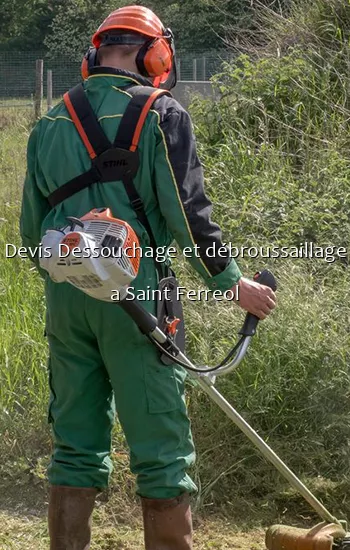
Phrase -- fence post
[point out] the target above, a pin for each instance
(195, 70)
(49, 89)
(179, 69)
(204, 68)
(39, 87)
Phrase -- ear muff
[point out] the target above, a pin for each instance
(89, 61)
(168, 80)
(155, 57)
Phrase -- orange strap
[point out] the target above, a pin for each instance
(142, 118)
(79, 126)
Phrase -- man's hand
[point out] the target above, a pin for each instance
(255, 298)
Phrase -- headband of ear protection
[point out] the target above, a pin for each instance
(155, 59)
(89, 61)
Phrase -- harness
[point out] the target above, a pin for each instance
(120, 161)
(117, 161)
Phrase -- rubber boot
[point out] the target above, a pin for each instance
(167, 523)
(70, 512)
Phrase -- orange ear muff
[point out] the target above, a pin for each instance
(84, 68)
(155, 57)
(89, 61)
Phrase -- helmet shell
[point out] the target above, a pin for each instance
(133, 18)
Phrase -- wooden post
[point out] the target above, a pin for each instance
(179, 69)
(195, 70)
(49, 89)
(204, 68)
(39, 87)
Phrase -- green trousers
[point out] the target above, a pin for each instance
(100, 364)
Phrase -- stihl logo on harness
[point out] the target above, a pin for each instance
(114, 163)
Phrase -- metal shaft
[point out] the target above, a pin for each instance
(265, 449)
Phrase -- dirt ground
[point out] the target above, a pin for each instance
(115, 527)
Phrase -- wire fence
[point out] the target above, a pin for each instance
(18, 74)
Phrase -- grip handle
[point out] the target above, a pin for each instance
(146, 322)
(251, 321)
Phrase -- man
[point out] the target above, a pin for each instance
(99, 361)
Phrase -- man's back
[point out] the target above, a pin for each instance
(61, 156)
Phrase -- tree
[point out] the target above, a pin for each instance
(66, 26)
(200, 26)
(197, 25)
(23, 26)
(74, 24)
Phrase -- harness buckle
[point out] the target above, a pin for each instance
(137, 204)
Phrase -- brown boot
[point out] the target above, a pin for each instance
(167, 523)
(70, 511)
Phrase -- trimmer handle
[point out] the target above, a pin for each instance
(146, 322)
(251, 321)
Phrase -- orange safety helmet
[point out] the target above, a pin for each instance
(156, 57)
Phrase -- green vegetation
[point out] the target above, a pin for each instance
(275, 145)
(67, 25)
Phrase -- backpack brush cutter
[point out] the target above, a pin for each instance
(93, 253)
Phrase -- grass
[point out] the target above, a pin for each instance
(116, 524)
(275, 149)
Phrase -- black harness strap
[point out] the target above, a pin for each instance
(138, 208)
(73, 186)
(127, 126)
(98, 140)
(124, 138)
(88, 119)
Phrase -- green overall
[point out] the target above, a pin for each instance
(100, 364)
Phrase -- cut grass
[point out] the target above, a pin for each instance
(30, 533)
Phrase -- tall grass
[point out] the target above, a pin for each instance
(275, 144)
(275, 148)
(23, 380)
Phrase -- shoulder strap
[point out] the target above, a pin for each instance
(129, 131)
(85, 121)
(128, 137)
